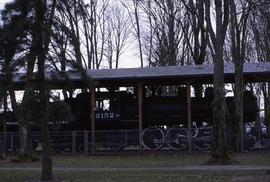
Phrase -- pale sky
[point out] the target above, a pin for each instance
(129, 59)
(2, 3)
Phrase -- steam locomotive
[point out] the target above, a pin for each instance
(164, 117)
(119, 110)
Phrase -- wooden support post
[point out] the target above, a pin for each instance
(189, 117)
(140, 102)
(85, 139)
(11, 142)
(93, 106)
(5, 126)
(74, 142)
(241, 136)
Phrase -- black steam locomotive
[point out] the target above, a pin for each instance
(164, 117)
(119, 110)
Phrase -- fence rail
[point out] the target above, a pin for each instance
(176, 138)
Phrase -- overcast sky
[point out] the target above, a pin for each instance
(2, 3)
(129, 59)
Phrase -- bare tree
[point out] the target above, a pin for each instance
(44, 19)
(165, 31)
(238, 34)
(260, 26)
(71, 9)
(118, 31)
(134, 14)
(199, 36)
(220, 152)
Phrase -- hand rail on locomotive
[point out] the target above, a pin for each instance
(176, 138)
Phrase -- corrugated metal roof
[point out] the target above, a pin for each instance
(253, 72)
(171, 71)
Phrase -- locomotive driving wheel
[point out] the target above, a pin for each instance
(177, 138)
(202, 141)
(152, 138)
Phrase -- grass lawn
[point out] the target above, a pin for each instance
(141, 160)
(162, 176)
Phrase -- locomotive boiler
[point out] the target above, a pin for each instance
(119, 110)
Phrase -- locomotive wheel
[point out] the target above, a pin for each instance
(152, 138)
(177, 138)
(202, 141)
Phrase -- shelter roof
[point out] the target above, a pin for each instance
(253, 72)
(190, 73)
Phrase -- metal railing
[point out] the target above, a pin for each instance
(176, 138)
(75, 141)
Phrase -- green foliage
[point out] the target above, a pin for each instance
(30, 111)
(59, 111)
(14, 40)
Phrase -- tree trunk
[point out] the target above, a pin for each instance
(46, 158)
(238, 101)
(138, 30)
(220, 133)
(238, 50)
(220, 151)
(26, 152)
(42, 45)
(198, 51)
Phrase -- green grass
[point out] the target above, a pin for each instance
(141, 160)
(145, 160)
(254, 158)
(162, 176)
(153, 160)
